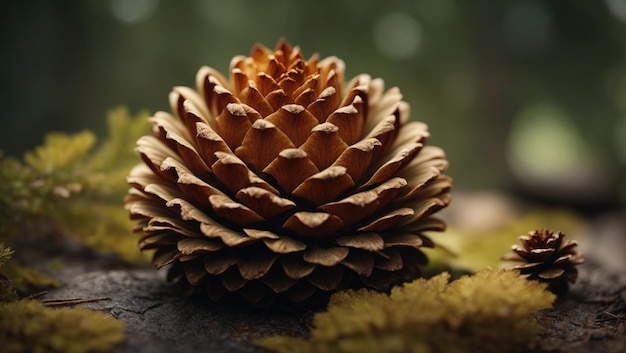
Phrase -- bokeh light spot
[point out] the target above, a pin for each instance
(397, 35)
(617, 8)
(545, 144)
(133, 11)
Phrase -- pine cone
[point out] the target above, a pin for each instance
(543, 256)
(282, 182)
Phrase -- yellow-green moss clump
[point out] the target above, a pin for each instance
(27, 326)
(26, 279)
(487, 312)
(17, 280)
(76, 186)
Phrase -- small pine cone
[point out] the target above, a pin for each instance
(283, 182)
(543, 256)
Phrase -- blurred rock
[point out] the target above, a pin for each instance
(606, 241)
(480, 211)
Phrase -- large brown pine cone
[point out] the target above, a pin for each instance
(283, 182)
(544, 256)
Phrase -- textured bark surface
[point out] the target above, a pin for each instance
(590, 318)
(158, 319)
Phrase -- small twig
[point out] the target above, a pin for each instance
(37, 295)
(574, 323)
(617, 317)
(71, 301)
(610, 317)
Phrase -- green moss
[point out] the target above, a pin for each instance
(60, 153)
(96, 216)
(103, 226)
(76, 185)
(15, 199)
(487, 312)
(15, 278)
(26, 279)
(30, 327)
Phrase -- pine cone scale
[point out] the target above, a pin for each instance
(194, 246)
(551, 273)
(371, 242)
(327, 278)
(313, 225)
(284, 245)
(359, 261)
(277, 281)
(258, 266)
(388, 220)
(328, 257)
(218, 263)
(295, 267)
(290, 169)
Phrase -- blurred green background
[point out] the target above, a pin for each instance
(525, 96)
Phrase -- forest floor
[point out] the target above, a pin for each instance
(590, 318)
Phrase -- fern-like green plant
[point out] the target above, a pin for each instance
(490, 311)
